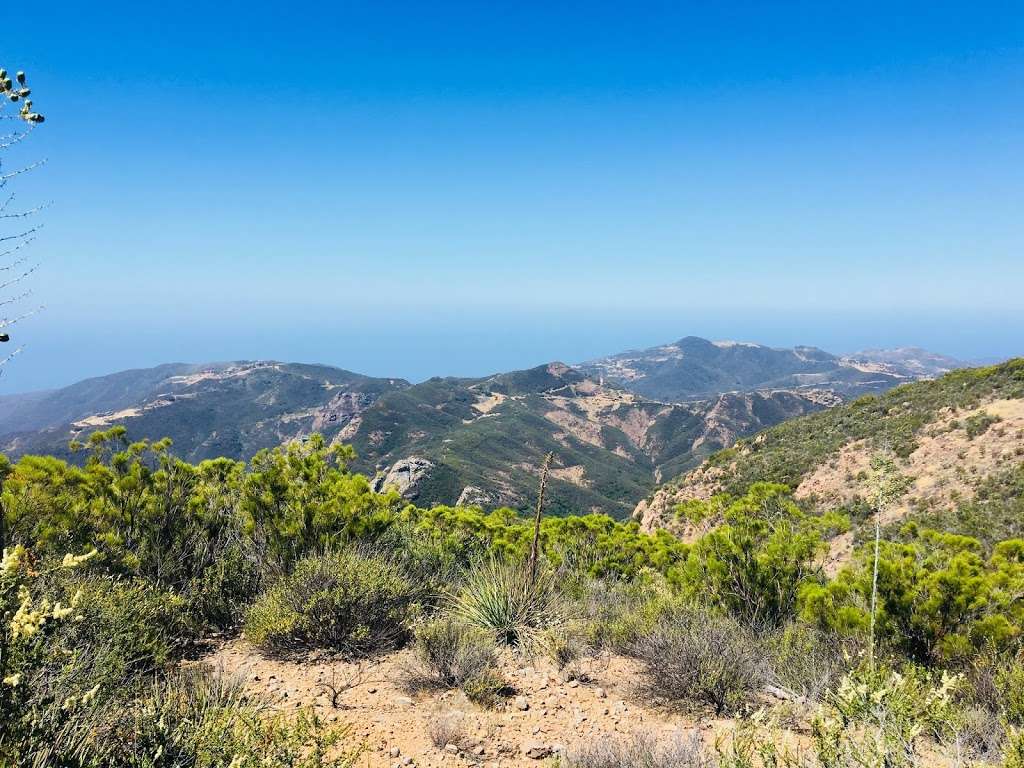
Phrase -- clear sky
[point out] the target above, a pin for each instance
(415, 189)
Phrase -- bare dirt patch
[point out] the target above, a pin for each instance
(396, 726)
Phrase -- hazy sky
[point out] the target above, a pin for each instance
(414, 189)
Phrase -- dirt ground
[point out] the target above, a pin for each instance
(545, 715)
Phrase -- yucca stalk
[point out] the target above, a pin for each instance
(886, 489)
(536, 519)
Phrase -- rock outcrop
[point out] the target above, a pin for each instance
(405, 476)
(472, 496)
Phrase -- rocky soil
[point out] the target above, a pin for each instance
(545, 715)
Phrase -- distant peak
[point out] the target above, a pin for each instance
(726, 344)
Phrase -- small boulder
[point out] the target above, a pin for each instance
(535, 750)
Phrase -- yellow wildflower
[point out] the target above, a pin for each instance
(12, 559)
(26, 621)
(13, 680)
(89, 695)
(72, 561)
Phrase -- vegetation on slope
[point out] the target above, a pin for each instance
(609, 446)
(788, 452)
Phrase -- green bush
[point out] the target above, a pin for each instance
(1013, 754)
(1009, 683)
(939, 598)
(612, 615)
(353, 602)
(764, 549)
(806, 660)
(487, 689)
(502, 598)
(449, 654)
(221, 593)
(42, 714)
(881, 717)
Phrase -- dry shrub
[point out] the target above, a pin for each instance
(449, 654)
(641, 750)
(695, 659)
(447, 728)
(980, 734)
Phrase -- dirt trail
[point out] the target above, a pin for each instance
(546, 713)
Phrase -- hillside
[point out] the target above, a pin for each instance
(474, 440)
(958, 441)
(478, 441)
(693, 368)
(482, 440)
(223, 409)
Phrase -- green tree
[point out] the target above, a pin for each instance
(764, 549)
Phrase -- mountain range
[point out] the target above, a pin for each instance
(616, 426)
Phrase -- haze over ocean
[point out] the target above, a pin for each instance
(413, 190)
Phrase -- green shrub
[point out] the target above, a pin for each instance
(129, 627)
(884, 718)
(764, 549)
(1013, 753)
(806, 660)
(978, 424)
(695, 659)
(449, 654)
(939, 599)
(199, 719)
(353, 602)
(224, 589)
(500, 597)
(1009, 682)
(40, 721)
(486, 689)
(612, 615)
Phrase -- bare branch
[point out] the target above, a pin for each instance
(15, 138)
(19, 278)
(15, 299)
(7, 323)
(24, 169)
(23, 244)
(13, 354)
(26, 233)
(22, 214)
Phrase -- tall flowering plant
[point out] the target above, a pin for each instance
(27, 625)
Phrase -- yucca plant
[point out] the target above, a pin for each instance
(503, 597)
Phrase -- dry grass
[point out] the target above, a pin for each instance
(448, 728)
(641, 750)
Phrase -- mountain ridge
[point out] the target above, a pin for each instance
(443, 439)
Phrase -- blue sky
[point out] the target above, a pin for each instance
(415, 189)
